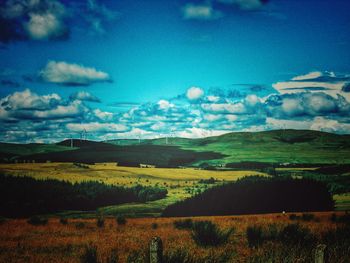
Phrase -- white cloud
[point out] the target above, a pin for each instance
(198, 133)
(200, 12)
(44, 26)
(158, 126)
(103, 115)
(194, 93)
(27, 100)
(71, 74)
(84, 96)
(212, 98)
(97, 127)
(212, 117)
(164, 105)
(327, 125)
(311, 75)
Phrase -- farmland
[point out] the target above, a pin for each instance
(180, 183)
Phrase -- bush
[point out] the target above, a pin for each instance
(206, 233)
(100, 222)
(254, 236)
(307, 217)
(257, 235)
(2, 220)
(294, 234)
(183, 224)
(136, 257)
(113, 257)
(177, 256)
(121, 220)
(63, 221)
(154, 225)
(79, 225)
(89, 255)
(37, 220)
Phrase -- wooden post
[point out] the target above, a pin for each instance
(156, 250)
(319, 254)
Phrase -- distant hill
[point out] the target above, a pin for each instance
(278, 146)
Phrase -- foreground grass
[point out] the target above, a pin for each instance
(56, 242)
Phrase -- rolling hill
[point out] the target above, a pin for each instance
(278, 146)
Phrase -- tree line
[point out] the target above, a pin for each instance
(254, 195)
(25, 196)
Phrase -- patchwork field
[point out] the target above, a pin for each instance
(180, 183)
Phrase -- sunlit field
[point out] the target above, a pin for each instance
(180, 183)
(55, 242)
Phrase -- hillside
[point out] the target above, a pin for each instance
(279, 146)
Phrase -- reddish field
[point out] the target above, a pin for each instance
(55, 242)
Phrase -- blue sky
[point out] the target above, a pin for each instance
(130, 69)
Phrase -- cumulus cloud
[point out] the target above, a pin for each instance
(200, 12)
(327, 82)
(164, 105)
(71, 74)
(84, 96)
(96, 127)
(29, 19)
(194, 93)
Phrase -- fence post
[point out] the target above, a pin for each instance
(156, 250)
(319, 254)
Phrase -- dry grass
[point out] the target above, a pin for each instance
(54, 242)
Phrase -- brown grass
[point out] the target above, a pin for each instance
(54, 242)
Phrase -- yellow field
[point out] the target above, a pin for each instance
(177, 181)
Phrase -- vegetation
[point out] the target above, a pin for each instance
(89, 255)
(121, 220)
(37, 220)
(23, 196)
(206, 233)
(131, 241)
(183, 224)
(253, 195)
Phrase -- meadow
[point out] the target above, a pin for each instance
(66, 241)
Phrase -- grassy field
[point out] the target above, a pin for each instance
(55, 242)
(180, 183)
(278, 146)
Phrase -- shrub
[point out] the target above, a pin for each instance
(206, 233)
(121, 220)
(257, 235)
(308, 217)
(113, 257)
(100, 221)
(37, 220)
(2, 220)
(293, 217)
(177, 256)
(183, 224)
(89, 255)
(63, 221)
(294, 234)
(79, 225)
(136, 257)
(154, 225)
(254, 236)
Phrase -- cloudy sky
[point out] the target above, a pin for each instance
(155, 68)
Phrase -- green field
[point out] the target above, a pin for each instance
(279, 146)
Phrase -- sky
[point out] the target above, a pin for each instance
(156, 68)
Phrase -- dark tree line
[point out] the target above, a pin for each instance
(254, 195)
(24, 196)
